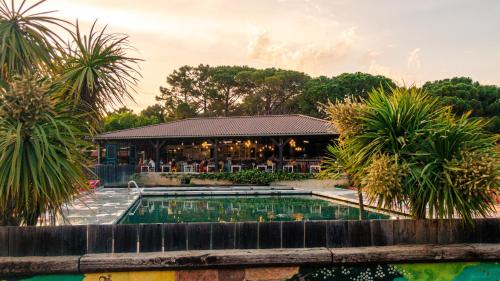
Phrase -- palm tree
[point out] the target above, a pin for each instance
(41, 166)
(45, 92)
(411, 153)
(97, 73)
(27, 43)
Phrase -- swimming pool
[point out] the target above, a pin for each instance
(161, 209)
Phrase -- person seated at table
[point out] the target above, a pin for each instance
(139, 164)
(222, 167)
(202, 168)
(173, 166)
(152, 164)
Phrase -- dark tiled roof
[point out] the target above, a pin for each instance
(269, 125)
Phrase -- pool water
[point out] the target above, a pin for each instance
(238, 209)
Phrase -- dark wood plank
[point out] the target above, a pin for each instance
(125, 238)
(293, 234)
(358, 233)
(404, 232)
(223, 236)
(315, 234)
(150, 238)
(336, 234)
(199, 236)
(4, 241)
(247, 235)
(175, 236)
(75, 240)
(22, 241)
(489, 230)
(269, 235)
(444, 231)
(382, 233)
(426, 232)
(99, 238)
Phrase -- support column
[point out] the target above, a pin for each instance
(98, 153)
(281, 144)
(216, 154)
(280, 154)
(157, 154)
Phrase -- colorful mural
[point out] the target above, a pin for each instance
(470, 271)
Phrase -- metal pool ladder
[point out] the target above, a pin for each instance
(136, 187)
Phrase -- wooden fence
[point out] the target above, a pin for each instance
(114, 175)
(87, 239)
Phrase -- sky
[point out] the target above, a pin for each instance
(409, 41)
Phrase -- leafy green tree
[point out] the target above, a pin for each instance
(270, 89)
(463, 95)
(124, 118)
(154, 111)
(192, 86)
(319, 90)
(230, 91)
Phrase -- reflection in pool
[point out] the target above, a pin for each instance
(239, 208)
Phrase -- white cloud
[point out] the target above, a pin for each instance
(414, 59)
(305, 57)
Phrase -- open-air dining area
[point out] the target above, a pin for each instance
(278, 143)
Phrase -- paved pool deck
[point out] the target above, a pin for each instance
(102, 206)
(107, 205)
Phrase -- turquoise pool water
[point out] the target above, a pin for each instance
(239, 208)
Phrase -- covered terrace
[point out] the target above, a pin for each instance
(292, 143)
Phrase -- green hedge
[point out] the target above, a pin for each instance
(257, 177)
(253, 177)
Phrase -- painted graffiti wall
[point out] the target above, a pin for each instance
(480, 271)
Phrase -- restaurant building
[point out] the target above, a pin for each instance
(293, 142)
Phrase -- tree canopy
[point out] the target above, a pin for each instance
(463, 95)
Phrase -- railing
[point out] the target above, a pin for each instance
(135, 185)
(88, 239)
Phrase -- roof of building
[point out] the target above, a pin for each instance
(241, 126)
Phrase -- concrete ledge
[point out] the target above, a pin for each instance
(12, 266)
(196, 259)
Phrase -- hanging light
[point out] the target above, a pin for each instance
(292, 143)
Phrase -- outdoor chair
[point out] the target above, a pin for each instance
(235, 167)
(146, 168)
(288, 168)
(211, 168)
(166, 168)
(262, 168)
(314, 169)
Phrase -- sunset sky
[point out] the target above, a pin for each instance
(408, 41)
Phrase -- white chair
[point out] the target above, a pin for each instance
(261, 167)
(166, 168)
(314, 169)
(144, 167)
(235, 167)
(188, 168)
(211, 168)
(270, 168)
(288, 168)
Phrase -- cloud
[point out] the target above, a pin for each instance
(414, 59)
(305, 57)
